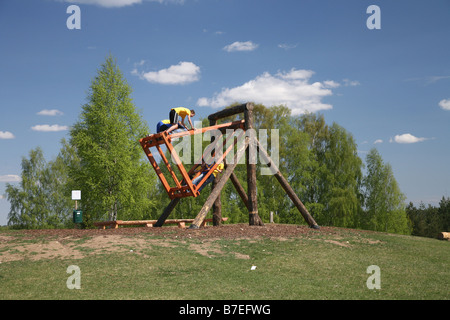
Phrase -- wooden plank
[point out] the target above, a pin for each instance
(149, 223)
(134, 222)
(212, 220)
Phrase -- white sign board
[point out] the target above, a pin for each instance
(76, 194)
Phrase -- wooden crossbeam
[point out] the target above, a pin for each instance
(231, 111)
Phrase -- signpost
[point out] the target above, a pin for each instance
(77, 214)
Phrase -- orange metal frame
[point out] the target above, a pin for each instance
(185, 187)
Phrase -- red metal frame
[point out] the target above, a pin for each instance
(185, 188)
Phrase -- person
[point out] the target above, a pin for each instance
(177, 113)
(164, 125)
(205, 169)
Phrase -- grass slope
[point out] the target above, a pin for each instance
(317, 265)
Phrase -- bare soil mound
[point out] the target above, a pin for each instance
(229, 231)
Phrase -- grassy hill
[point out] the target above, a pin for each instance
(289, 263)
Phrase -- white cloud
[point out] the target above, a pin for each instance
(49, 128)
(331, 84)
(430, 80)
(10, 178)
(286, 46)
(291, 89)
(52, 112)
(350, 83)
(182, 73)
(445, 104)
(241, 46)
(433, 79)
(378, 141)
(6, 135)
(407, 138)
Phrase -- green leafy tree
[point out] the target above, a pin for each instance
(343, 177)
(444, 213)
(332, 176)
(428, 220)
(39, 201)
(110, 170)
(384, 202)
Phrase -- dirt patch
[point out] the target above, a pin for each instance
(206, 249)
(341, 244)
(77, 244)
(210, 248)
(38, 251)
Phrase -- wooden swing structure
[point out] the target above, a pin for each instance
(185, 188)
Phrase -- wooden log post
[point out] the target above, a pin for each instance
(218, 188)
(166, 212)
(444, 236)
(287, 188)
(217, 205)
(254, 219)
(240, 190)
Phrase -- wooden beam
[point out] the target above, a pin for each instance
(218, 188)
(287, 188)
(180, 166)
(230, 111)
(240, 190)
(169, 167)
(156, 167)
(253, 217)
(221, 127)
(166, 212)
(217, 205)
(444, 235)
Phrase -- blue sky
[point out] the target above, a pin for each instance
(389, 87)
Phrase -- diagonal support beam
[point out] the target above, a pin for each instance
(218, 188)
(285, 184)
(166, 212)
(240, 190)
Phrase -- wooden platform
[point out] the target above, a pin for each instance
(147, 223)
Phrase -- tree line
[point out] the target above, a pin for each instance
(103, 158)
(428, 220)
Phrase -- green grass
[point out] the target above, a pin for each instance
(296, 268)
